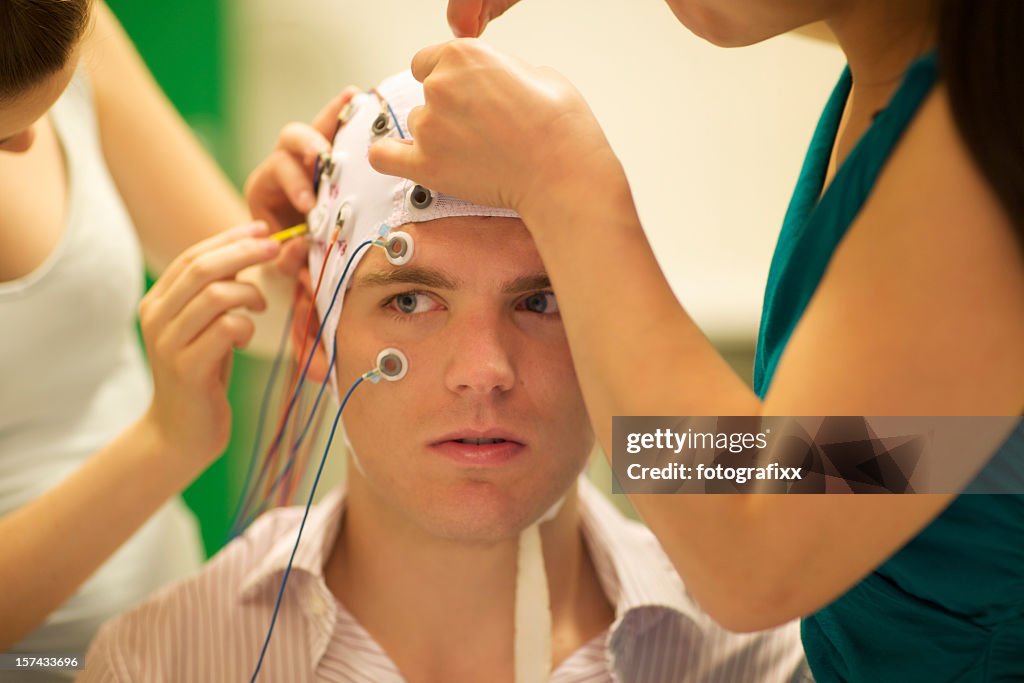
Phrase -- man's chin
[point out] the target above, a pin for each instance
(481, 515)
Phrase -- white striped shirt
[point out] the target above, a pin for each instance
(211, 626)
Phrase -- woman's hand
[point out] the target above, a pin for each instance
(495, 130)
(468, 18)
(280, 189)
(190, 329)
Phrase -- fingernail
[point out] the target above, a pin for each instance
(258, 228)
(306, 201)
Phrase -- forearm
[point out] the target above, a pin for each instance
(175, 192)
(635, 349)
(53, 544)
(637, 352)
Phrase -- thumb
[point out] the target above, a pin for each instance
(469, 18)
(393, 157)
(293, 256)
(465, 18)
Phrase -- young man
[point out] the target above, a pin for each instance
(410, 573)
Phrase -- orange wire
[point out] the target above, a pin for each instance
(274, 451)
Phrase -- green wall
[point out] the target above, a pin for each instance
(183, 43)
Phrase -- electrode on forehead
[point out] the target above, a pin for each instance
(420, 197)
(392, 364)
(399, 248)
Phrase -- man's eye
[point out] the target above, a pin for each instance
(410, 302)
(540, 302)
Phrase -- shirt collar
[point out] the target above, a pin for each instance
(318, 536)
(636, 575)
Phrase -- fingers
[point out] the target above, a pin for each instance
(207, 356)
(469, 18)
(302, 143)
(426, 60)
(464, 18)
(186, 257)
(295, 179)
(412, 121)
(293, 256)
(192, 272)
(280, 189)
(395, 157)
(216, 299)
(326, 121)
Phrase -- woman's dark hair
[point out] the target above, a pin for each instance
(36, 39)
(981, 55)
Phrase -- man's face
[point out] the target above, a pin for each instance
(488, 359)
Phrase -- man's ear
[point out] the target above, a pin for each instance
(305, 324)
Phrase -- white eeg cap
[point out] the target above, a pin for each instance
(359, 200)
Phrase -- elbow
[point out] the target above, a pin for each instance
(748, 602)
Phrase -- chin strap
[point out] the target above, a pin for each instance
(533, 606)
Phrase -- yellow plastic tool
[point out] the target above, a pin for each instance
(288, 233)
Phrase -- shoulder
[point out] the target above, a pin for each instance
(108, 57)
(920, 309)
(934, 151)
(935, 188)
(190, 615)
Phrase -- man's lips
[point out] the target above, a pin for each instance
(479, 448)
(476, 436)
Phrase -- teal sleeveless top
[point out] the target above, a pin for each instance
(949, 605)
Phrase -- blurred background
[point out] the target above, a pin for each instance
(711, 139)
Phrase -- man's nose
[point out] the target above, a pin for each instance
(480, 358)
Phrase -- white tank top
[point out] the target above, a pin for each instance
(72, 376)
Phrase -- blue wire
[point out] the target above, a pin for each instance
(309, 502)
(260, 423)
(295, 448)
(398, 127)
(309, 359)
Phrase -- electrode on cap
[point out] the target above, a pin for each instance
(344, 216)
(327, 166)
(392, 364)
(381, 124)
(399, 248)
(346, 113)
(318, 170)
(420, 197)
(318, 220)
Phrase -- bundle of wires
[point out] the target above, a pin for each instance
(356, 208)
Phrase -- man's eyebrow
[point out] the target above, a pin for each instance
(527, 283)
(409, 275)
(435, 279)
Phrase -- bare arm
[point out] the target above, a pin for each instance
(174, 191)
(53, 544)
(890, 331)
